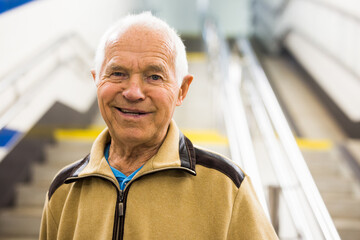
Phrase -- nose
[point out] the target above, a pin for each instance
(133, 91)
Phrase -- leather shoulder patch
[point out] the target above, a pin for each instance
(65, 173)
(223, 165)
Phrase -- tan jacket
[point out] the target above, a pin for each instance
(181, 193)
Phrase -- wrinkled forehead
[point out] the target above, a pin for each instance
(140, 39)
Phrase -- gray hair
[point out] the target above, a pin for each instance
(147, 20)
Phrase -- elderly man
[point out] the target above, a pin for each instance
(143, 179)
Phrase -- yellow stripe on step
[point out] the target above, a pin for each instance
(196, 136)
(212, 137)
(314, 144)
(77, 134)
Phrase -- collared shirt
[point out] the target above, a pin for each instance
(122, 178)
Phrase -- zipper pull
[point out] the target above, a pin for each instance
(121, 209)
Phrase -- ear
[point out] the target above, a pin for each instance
(93, 74)
(184, 89)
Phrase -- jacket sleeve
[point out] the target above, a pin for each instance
(48, 228)
(248, 220)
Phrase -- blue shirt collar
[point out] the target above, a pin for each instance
(122, 178)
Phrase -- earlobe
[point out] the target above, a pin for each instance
(93, 74)
(184, 89)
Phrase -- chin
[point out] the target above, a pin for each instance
(132, 136)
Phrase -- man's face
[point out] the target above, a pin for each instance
(138, 92)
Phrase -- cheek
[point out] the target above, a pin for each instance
(106, 93)
(167, 100)
(171, 92)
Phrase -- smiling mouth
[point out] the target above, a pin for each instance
(131, 112)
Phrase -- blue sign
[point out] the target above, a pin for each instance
(6, 5)
(8, 137)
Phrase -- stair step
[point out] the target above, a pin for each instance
(344, 208)
(30, 195)
(349, 229)
(334, 185)
(325, 157)
(20, 221)
(353, 145)
(71, 145)
(18, 238)
(65, 152)
(319, 168)
(45, 173)
(331, 196)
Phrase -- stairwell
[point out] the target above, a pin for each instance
(339, 190)
(336, 181)
(22, 221)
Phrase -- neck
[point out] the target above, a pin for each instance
(128, 159)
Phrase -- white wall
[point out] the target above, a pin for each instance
(324, 36)
(333, 58)
(29, 28)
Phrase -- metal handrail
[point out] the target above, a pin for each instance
(11, 79)
(23, 98)
(13, 76)
(291, 149)
(241, 148)
(289, 186)
(301, 193)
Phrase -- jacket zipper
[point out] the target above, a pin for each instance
(121, 207)
(121, 204)
(119, 215)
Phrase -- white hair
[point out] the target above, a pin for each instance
(145, 19)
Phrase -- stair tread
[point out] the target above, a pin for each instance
(353, 145)
(21, 211)
(18, 238)
(347, 223)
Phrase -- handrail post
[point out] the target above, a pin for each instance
(274, 198)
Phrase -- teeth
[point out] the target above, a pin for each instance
(125, 111)
(129, 112)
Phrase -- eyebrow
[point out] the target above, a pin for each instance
(114, 68)
(150, 68)
(156, 68)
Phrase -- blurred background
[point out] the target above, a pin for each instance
(276, 89)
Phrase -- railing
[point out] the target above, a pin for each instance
(296, 182)
(237, 127)
(309, 216)
(22, 84)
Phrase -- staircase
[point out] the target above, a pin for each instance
(339, 190)
(339, 187)
(22, 222)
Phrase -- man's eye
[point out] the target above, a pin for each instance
(118, 74)
(155, 77)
